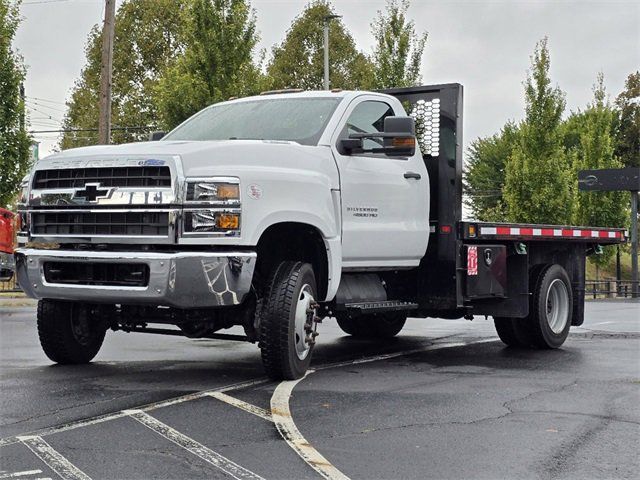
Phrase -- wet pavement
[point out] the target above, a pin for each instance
(443, 400)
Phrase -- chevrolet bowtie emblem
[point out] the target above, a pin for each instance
(92, 192)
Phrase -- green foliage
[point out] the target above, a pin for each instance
(485, 171)
(147, 38)
(596, 151)
(627, 145)
(538, 176)
(219, 39)
(14, 141)
(398, 49)
(298, 62)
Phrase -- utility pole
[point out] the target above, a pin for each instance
(104, 123)
(327, 19)
(22, 115)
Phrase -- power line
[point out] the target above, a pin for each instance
(45, 100)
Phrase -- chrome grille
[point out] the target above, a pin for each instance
(95, 223)
(126, 176)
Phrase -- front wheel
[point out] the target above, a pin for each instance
(286, 320)
(68, 332)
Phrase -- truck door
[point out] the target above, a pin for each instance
(385, 200)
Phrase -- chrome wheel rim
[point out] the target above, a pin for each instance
(302, 325)
(557, 306)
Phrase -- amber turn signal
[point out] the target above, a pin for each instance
(228, 221)
(404, 142)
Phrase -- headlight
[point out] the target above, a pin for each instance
(211, 221)
(225, 190)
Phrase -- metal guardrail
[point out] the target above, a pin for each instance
(609, 288)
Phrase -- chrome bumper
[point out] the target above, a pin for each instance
(181, 279)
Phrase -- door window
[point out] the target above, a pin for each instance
(368, 117)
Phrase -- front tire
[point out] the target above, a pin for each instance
(288, 305)
(68, 335)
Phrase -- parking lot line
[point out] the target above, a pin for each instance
(54, 460)
(247, 407)
(235, 386)
(119, 414)
(281, 415)
(24, 473)
(196, 448)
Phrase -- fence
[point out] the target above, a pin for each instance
(9, 286)
(609, 288)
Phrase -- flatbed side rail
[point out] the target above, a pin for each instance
(531, 232)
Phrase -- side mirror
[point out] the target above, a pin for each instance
(155, 136)
(401, 141)
(398, 139)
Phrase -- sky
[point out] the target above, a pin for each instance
(483, 44)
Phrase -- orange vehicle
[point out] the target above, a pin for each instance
(6, 244)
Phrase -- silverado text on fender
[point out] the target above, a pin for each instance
(275, 211)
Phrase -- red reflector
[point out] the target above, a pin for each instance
(445, 229)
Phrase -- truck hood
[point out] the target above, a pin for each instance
(205, 158)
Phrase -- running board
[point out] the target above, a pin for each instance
(379, 307)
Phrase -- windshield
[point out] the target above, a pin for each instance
(300, 120)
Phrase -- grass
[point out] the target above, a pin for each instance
(609, 269)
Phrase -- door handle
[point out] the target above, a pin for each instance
(414, 175)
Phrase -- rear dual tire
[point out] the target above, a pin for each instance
(381, 325)
(550, 311)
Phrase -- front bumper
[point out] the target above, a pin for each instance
(177, 279)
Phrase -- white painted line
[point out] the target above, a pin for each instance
(115, 415)
(189, 444)
(281, 415)
(54, 460)
(247, 407)
(436, 346)
(19, 474)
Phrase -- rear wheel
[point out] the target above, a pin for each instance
(380, 325)
(507, 331)
(69, 333)
(550, 311)
(286, 320)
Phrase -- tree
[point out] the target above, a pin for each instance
(538, 175)
(298, 62)
(217, 63)
(485, 171)
(627, 143)
(14, 140)
(147, 39)
(596, 151)
(399, 49)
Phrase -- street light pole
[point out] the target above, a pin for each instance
(634, 244)
(327, 19)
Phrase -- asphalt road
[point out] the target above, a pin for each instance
(444, 400)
